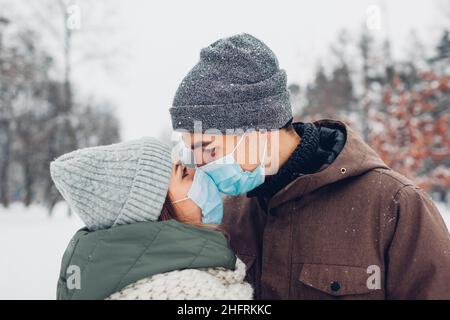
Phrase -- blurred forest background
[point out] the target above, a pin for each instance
(41, 114)
(402, 108)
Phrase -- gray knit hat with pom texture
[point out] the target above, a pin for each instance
(115, 184)
(237, 84)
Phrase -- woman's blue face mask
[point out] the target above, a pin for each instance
(207, 197)
(230, 178)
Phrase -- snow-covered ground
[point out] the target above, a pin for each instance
(444, 209)
(31, 247)
(32, 244)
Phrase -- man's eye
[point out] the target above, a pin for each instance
(211, 152)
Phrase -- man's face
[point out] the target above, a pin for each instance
(210, 147)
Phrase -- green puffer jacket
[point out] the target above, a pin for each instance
(108, 260)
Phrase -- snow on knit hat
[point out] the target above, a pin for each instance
(237, 84)
(115, 184)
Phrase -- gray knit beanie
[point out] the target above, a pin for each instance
(115, 184)
(237, 84)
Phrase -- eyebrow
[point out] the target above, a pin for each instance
(201, 144)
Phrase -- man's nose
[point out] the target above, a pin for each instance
(199, 158)
(201, 163)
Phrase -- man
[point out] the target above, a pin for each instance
(324, 216)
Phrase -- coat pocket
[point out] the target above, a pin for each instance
(335, 280)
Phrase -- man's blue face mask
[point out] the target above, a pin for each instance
(205, 194)
(230, 178)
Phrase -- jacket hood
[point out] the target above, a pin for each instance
(106, 261)
(355, 159)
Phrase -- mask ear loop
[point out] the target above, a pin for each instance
(263, 159)
(231, 153)
(234, 149)
(237, 145)
(180, 200)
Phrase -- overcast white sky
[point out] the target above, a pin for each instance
(163, 39)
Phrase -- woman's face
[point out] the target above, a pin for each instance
(179, 184)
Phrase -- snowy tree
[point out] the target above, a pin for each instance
(32, 105)
(329, 96)
(411, 129)
(403, 108)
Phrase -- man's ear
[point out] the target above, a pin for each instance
(288, 126)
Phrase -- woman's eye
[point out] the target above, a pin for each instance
(184, 173)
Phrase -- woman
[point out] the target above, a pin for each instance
(152, 227)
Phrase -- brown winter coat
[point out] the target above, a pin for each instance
(317, 237)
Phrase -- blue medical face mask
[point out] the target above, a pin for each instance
(230, 178)
(205, 194)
